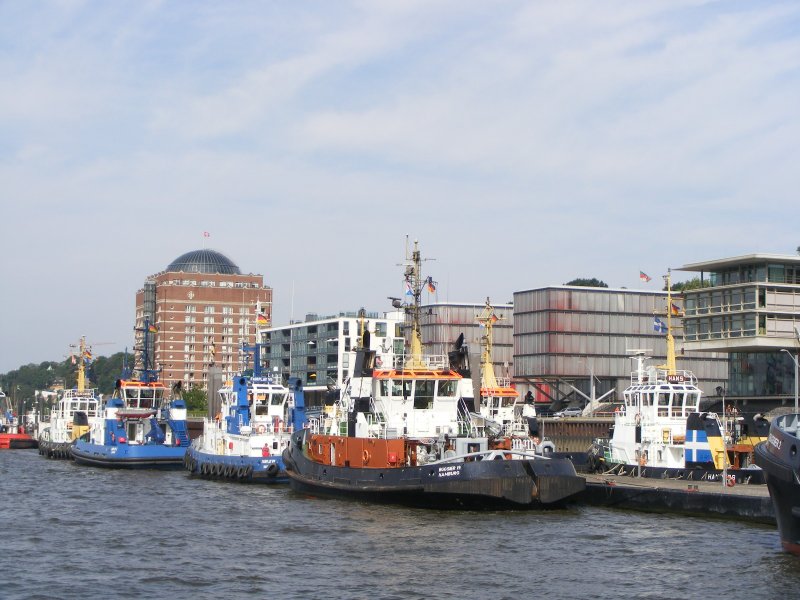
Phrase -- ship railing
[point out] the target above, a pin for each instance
(659, 375)
(503, 381)
(431, 361)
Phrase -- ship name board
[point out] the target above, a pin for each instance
(449, 471)
(774, 441)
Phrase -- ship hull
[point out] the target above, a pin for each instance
(736, 476)
(57, 450)
(244, 469)
(17, 441)
(779, 459)
(478, 485)
(123, 456)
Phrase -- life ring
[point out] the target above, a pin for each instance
(365, 456)
(731, 481)
(378, 361)
(261, 429)
(642, 460)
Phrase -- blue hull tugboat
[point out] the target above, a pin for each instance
(139, 429)
(257, 418)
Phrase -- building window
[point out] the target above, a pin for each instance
(209, 310)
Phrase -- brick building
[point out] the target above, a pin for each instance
(203, 309)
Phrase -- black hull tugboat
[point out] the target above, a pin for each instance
(490, 480)
(405, 430)
(780, 460)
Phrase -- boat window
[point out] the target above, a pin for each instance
(663, 404)
(447, 388)
(423, 395)
(277, 399)
(407, 388)
(384, 388)
(692, 400)
(262, 409)
(677, 403)
(397, 388)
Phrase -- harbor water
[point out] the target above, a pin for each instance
(79, 532)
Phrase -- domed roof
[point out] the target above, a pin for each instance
(204, 261)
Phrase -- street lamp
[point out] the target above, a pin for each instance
(796, 365)
(796, 368)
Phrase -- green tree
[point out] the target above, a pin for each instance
(692, 284)
(585, 282)
(196, 400)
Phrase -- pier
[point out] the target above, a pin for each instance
(691, 498)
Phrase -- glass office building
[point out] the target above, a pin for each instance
(749, 307)
(565, 334)
(442, 323)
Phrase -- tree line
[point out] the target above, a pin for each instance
(101, 373)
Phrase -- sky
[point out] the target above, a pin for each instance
(523, 143)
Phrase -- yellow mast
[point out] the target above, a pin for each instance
(81, 372)
(414, 283)
(670, 366)
(487, 318)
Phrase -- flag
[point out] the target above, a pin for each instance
(431, 284)
(644, 276)
(152, 329)
(659, 326)
(206, 234)
(494, 319)
(87, 356)
(72, 357)
(676, 310)
(409, 291)
(261, 319)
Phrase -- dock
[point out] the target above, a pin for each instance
(692, 498)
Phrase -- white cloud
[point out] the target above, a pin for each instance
(523, 143)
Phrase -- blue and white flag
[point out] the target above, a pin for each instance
(409, 290)
(659, 326)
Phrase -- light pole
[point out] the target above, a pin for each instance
(796, 368)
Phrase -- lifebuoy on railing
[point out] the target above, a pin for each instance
(731, 481)
(378, 361)
(366, 456)
(261, 429)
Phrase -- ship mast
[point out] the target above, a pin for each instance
(81, 358)
(670, 366)
(414, 288)
(487, 318)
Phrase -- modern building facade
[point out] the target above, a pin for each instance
(319, 350)
(748, 307)
(203, 309)
(571, 339)
(442, 323)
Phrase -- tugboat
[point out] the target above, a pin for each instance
(660, 432)
(408, 433)
(780, 460)
(500, 403)
(139, 428)
(15, 434)
(76, 411)
(256, 420)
